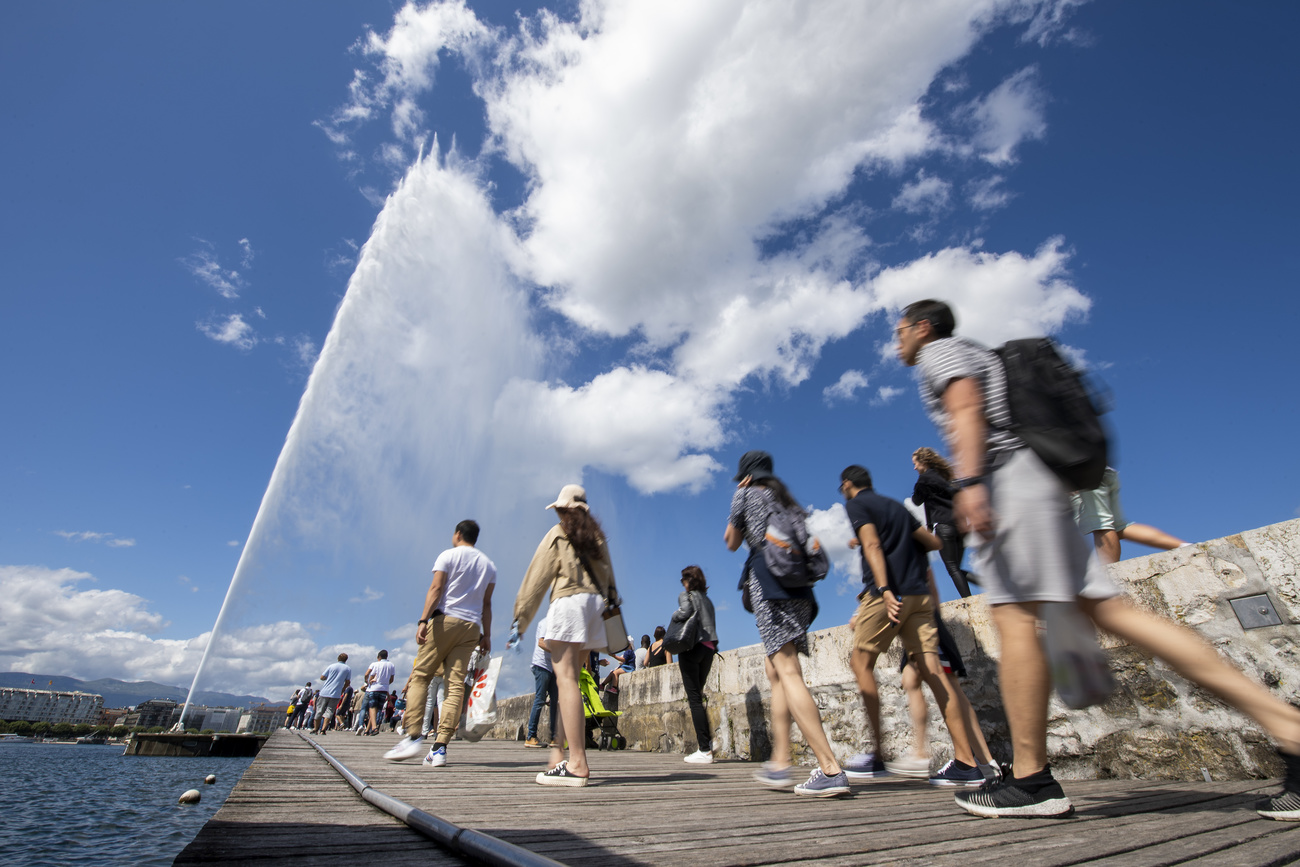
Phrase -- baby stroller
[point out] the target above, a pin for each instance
(598, 718)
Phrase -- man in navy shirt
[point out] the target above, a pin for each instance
(898, 603)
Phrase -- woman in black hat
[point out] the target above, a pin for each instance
(783, 616)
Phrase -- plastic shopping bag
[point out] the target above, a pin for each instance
(1080, 668)
(481, 704)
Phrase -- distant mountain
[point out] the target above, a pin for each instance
(121, 693)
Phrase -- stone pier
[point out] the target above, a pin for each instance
(1241, 593)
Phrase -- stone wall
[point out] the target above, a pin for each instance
(1155, 726)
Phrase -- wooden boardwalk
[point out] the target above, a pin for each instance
(653, 809)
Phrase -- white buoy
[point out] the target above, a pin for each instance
(210, 779)
(190, 797)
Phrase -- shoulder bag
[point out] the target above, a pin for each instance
(682, 635)
(615, 630)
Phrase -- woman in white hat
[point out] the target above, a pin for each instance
(573, 562)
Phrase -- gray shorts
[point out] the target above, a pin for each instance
(1037, 553)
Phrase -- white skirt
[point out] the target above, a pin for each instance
(577, 619)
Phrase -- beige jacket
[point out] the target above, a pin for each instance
(556, 566)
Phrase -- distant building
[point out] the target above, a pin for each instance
(153, 713)
(50, 706)
(262, 718)
(112, 716)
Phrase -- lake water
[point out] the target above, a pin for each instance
(82, 804)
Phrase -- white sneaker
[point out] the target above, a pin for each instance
(436, 758)
(700, 757)
(407, 748)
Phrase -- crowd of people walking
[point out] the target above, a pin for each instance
(1028, 529)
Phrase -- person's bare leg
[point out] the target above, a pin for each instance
(780, 731)
(1145, 534)
(978, 745)
(932, 674)
(1193, 658)
(567, 659)
(1107, 544)
(785, 662)
(863, 664)
(919, 711)
(1026, 684)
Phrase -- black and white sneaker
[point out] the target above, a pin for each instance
(1284, 806)
(560, 775)
(1035, 797)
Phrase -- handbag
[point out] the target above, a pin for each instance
(615, 631)
(682, 635)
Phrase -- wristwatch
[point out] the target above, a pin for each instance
(876, 590)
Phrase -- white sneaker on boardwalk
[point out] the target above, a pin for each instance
(700, 757)
(407, 748)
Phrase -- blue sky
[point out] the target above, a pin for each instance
(662, 235)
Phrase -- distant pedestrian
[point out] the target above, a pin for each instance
(573, 562)
(642, 652)
(379, 680)
(657, 655)
(336, 678)
(783, 616)
(1099, 512)
(933, 492)
(301, 703)
(343, 715)
(546, 690)
(695, 663)
(1031, 554)
(456, 620)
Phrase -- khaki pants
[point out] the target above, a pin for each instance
(874, 631)
(449, 643)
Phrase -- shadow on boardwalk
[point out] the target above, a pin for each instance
(649, 809)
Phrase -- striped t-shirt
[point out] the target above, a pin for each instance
(940, 363)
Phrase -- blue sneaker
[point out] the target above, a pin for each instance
(821, 786)
(864, 766)
(773, 777)
(962, 778)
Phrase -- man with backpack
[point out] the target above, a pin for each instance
(1012, 490)
(897, 604)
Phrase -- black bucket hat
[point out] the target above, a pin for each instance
(755, 464)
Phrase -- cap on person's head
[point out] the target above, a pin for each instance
(756, 464)
(571, 497)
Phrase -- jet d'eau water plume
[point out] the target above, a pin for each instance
(391, 440)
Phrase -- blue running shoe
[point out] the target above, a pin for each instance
(864, 766)
(773, 777)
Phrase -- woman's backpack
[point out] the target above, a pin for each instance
(793, 556)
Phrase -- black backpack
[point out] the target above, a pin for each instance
(1053, 411)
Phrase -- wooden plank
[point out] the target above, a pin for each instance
(645, 808)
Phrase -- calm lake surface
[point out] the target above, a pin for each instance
(82, 804)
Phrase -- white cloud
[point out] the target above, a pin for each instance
(246, 253)
(926, 194)
(849, 383)
(234, 543)
(232, 330)
(1012, 113)
(203, 264)
(996, 297)
(108, 539)
(832, 528)
(987, 194)
(51, 623)
(305, 351)
(885, 395)
(369, 594)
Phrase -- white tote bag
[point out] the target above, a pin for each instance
(481, 703)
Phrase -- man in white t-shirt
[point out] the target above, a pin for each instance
(379, 680)
(456, 618)
(336, 678)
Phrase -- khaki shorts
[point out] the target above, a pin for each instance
(874, 631)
